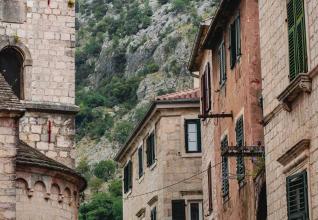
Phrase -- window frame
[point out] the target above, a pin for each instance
(200, 208)
(235, 41)
(128, 177)
(222, 64)
(153, 213)
(197, 122)
(140, 153)
(303, 174)
(151, 150)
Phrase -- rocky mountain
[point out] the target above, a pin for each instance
(128, 52)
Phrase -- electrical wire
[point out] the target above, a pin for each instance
(171, 185)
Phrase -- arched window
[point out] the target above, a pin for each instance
(11, 66)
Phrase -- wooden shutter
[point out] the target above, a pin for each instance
(222, 63)
(296, 38)
(225, 171)
(126, 179)
(178, 210)
(203, 94)
(210, 187)
(240, 167)
(148, 152)
(153, 150)
(233, 45)
(130, 175)
(238, 36)
(208, 88)
(297, 196)
(140, 162)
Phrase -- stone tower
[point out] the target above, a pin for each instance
(37, 40)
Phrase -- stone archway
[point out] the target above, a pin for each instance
(15, 61)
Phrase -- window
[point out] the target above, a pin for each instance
(193, 136)
(140, 162)
(210, 187)
(206, 90)
(151, 151)
(235, 41)
(240, 167)
(296, 38)
(11, 65)
(128, 177)
(178, 209)
(297, 196)
(222, 63)
(153, 214)
(195, 211)
(225, 169)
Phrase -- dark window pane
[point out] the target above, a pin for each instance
(195, 211)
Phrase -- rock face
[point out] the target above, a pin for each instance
(158, 51)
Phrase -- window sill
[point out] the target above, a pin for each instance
(192, 155)
(140, 179)
(128, 193)
(301, 84)
(153, 166)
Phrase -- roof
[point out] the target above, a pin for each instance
(27, 155)
(8, 100)
(188, 94)
(185, 98)
(223, 13)
(196, 54)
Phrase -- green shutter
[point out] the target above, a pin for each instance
(130, 175)
(178, 209)
(296, 38)
(225, 171)
(238, 36)
(233, 45)
(240, 167)
(222, 63)
(140, 162)
(210, 187)
(297, 196)
(126, 179)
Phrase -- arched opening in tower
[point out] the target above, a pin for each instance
(262, 204)
(11, 67)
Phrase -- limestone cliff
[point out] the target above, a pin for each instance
(129, 51)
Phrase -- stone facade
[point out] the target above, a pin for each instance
(291, 134)
(37, 110)
(172, 164)
(239, 95)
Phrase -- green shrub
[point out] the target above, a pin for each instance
(162, 2)
(180, 5)
(84, 168)
(121, 131)
(105, 169)
(95, 184)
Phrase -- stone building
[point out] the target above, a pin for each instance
(289, 57)
(226, 59)
(37, 110)
(161, 161)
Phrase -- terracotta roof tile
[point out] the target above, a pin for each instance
(188, 94)
(27, 155)
(8, 100)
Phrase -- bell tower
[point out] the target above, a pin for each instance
(37, 50)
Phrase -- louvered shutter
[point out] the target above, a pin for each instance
(130, 175)
(225, 172)
(222, 63)
(153, 150)
(240, 167)
(126, 179)
(238, 36)
(233, 45)
(210, 187)
(296, 38)
(208, 88)
(203, 96)
(140, 162)
(178, 210)
(297, 196)
(148, 152)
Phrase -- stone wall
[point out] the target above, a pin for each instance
(45, 194)
(48, 34)
(8, 142)
(36, 127)
(171, 166)
(284, 129)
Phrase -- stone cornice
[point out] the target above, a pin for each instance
(271, 115)
(297, 153)
(301, 84)
(50, 107)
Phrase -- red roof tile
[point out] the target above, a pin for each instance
(188, 94)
